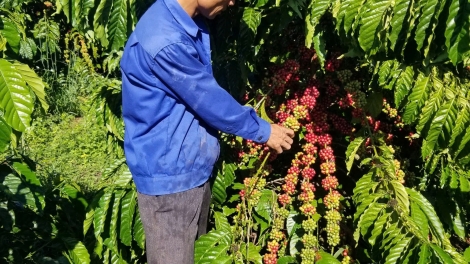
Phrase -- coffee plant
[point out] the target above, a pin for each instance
(376, 91)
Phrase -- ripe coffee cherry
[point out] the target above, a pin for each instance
(326, 154)
(308, 173)
(273, 246)
(330, 182)
(284, 199)
(307, 209)
(270, 258)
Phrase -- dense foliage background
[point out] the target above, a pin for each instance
(377, 91)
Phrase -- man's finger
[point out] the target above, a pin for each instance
(289, 132)
(289, 140)
(285, 145)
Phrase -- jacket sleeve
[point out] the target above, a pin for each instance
(178, 67)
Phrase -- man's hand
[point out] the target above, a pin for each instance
(280, 138)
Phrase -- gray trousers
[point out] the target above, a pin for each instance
(172, 223)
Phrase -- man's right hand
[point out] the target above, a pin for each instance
(280, 138)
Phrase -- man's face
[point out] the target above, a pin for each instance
(211, 8)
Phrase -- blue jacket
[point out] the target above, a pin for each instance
(172, 106)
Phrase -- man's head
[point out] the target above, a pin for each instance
(211, 8)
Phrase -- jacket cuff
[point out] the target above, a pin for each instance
(264, 131)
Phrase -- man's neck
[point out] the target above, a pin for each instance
(190, 6)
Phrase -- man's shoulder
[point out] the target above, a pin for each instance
(158, 29)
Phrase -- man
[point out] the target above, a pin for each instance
(173, 109)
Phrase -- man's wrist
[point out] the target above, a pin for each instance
(264, 131)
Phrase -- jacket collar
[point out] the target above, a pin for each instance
(182, 17)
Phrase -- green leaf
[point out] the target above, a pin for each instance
(457, 30)
(29, 175)
(252, 255)
(466, 254)
(264, 209)
(392, 232)
(229, 173)
(113, 224)
(385, 72)
(363, 186)
(12, 34)
(461, 123)
(397, 250)
(221, 222)
(464, 183)
(364, 203)
(319, 46)
(260, 3)
(428, 209)
(118, 24)
(128, 207)
(206, 249)
(295, 6)
(112, 169)
(72, 190)
(403, 85)
(420, 219)
(424, 254)
(291, 223)
(401, 196)
(224, 178)
(463, 143)
(82, 8)
(34, 82)
(219, 195)
(99, 217)
(100, 21)
(352, 12)
(265, 204)
(351, 151)
(138, 231)
(411, 254)
(374, 104)
(20, 193)
(371, 21)
(67, 7)
(326, 258)
(123, 179)
(89, 216)
(430, 107)
(5, 132)
(262, 111)
(454, 180)
(379, 226)
(443, 256)
(77, 252)
(417, 98)
(286, 260)
(458, 224)
(293, 243)
(427, 14)
(252, 18)
(218, 254)
(442, 122)
(400, 11)
(367, 219)
(26, 51)
(223, 258)
(15, 97)
(317, 9)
